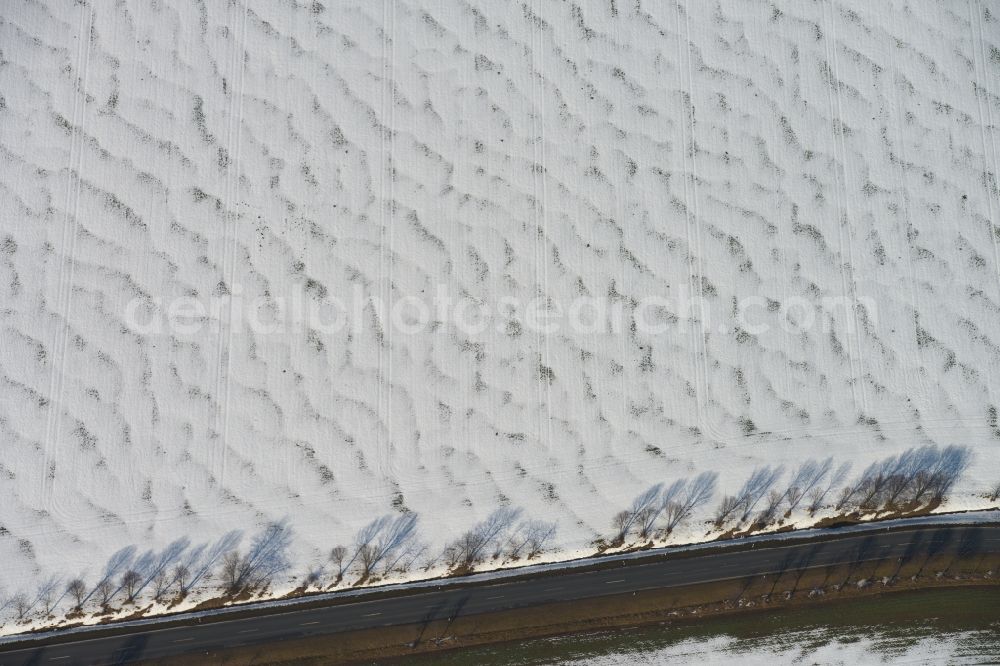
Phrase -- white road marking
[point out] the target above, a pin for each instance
(306, 624)
(182, 640)
(65, 656)
(499, 596)
(610, 582)
(551, 589)
(372, 614)
(249, 631)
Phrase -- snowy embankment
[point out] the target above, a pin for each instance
(281, 277)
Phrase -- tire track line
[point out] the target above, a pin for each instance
(982, 129)
(847, 272)
(67, 265)
(839, 168)
(216, 453)
(234, 123)
(539, 235)
(905, 200)
(385, 204)
(390, 232)
(693, 221)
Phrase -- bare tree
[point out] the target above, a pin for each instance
(645, 510)
(816, 500)
(756, 487)
(645, 519)
(337, 556)
(153, 566)
(872, 487)
(794, 494)
(806, 479)
(753, 490)
(396, 538)
(530, 539)
(923, 485)
(946, 470)
(47, 597)
(672, 492)
(673, 515)
(904, 471)
(621, 521)
(115, 565)
(77, 590)
(846, 493)
(381, 541)
(199, 562)
(265, 558)
(699, 491)
(865, 493)
(818, 495)
(774, 500)
(995, 492)
(403, 558)
(367, 558)
(230, 571)
(181, 575)
(364, 538)
(642, 505)
(21, 605)
(727, 509)
(669, 497)
(912, 477)
(268, 554)
(161, 585)
(744, 502)
(689, 498)
(131, 580)
(105, 592)
(470, 548)
(541, 534)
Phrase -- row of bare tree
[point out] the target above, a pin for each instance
(161, 576)
(914, 478)
(911, 479)
(390, 545)
(660, 509)
(387, 545)
(501, 537)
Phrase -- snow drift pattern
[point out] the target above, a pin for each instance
(820, 179)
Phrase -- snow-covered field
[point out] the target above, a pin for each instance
(325, 262)
(971, 647)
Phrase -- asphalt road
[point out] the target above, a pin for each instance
(451, 601)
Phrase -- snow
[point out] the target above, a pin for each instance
(953, 647)
(827, 171)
